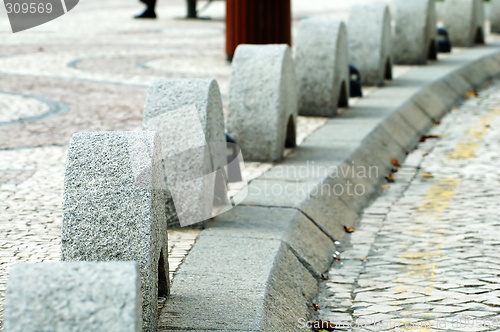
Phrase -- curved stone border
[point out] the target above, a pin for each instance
(415, 40)
(322, 66)
(114, 208)
(187, 115)
(263, 258)
(262, 115)
(370, 42)
(465, 21)
(55, 108)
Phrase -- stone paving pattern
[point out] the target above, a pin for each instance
(427, 250)
(89, 70)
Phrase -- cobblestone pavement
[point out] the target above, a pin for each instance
(89, 71)
(427, 251)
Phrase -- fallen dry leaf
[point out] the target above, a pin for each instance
(394, 170)
(471, 94)
(315, 307)
(366, 259)
(322, 325)
(425, 154)
(437, 122)
(427, 175)
(390, 178)
(395, 162)
(385, 187)
(426, 137)
(349, 230)
(324, 276)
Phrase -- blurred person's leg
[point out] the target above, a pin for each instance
(149, 12)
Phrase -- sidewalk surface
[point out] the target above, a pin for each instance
(89, 71)
(427, 251)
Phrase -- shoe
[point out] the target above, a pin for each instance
(148, 13)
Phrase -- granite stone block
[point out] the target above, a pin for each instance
(114, 208)
(76, 297)
(465, 21)
(187, 115)
(495, 16)
(370, 42)
(262, 113)
(415, 40)
(322, 66)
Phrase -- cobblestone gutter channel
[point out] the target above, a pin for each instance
(258, 267)
(425, 255)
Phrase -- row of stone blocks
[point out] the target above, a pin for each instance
(262, 115)
(415, 27)
(123, 188)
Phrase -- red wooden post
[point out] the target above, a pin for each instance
(257, 22)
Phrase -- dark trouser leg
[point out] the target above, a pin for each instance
(151, 4)
(191, 8)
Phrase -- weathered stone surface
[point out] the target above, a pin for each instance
(258, 284)
(370, 42)
(416, 36)
(464, 20)
(322, 66)
(187, 115)
(114, 208)
(77, 296)
(393, 6)
(262, 114)
(171, 94)
(495, 16)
